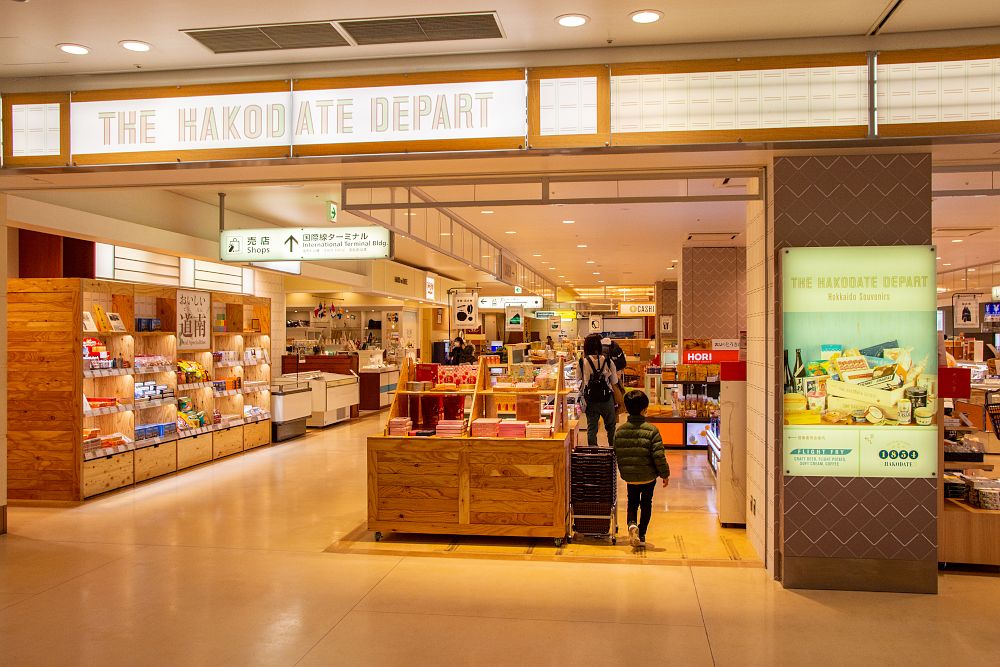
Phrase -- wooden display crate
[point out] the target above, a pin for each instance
(472, 486)
(108, 473)
(194, 450)
(227, 442)
(257, 434)
(155, 461)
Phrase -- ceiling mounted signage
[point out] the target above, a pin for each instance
(309, 243)
(500, 302)
(644, 309)
(426, 112)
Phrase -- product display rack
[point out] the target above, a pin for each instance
(471, 485)
(48, 380)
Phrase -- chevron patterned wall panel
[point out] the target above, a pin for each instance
(852, 200)
(714, 292)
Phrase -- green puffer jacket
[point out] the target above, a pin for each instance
(639, 450)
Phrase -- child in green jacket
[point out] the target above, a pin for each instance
(639, 450)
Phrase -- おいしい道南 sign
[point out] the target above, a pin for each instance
(194, 310)
(304, 243)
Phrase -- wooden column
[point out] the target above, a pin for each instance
(3, 355)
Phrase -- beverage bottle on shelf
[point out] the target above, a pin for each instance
(789, 380)
(800, 368)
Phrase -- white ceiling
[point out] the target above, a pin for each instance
(29, 31)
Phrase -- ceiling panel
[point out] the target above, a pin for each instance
(919, 15)
(30, 33)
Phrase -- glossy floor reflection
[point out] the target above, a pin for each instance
(225, 565)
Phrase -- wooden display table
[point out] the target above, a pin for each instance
(516, 487)
(466, 486)
(968, 534)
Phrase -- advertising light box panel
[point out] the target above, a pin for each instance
(860, 335)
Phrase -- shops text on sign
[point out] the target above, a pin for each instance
(304, 243)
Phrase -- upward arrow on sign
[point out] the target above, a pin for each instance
(291, 241)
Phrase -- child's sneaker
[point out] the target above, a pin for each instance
(633, 534)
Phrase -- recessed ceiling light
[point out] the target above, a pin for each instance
(537, 255)
(74, 49)
(600, 281)
(572, 20)
(581, 245)
(135, 45)
(956, 240)
(445, 233)
(565, 276)
(487, 212)
(552, 268)
(510, 232)
(597, 273)
(411, 213)
(646, 16)
(971, 269)
(674, 261)
(947, 264)
(569, 222)
(590, 261)
(670, 268)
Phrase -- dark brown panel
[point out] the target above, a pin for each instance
(78, 258)
(853, 574)
(39, 255)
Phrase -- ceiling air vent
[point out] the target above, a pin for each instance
(245, 39)
(404, 29)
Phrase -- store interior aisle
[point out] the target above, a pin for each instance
(224, 565)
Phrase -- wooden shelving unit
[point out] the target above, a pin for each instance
(471, 486)
(47, 383)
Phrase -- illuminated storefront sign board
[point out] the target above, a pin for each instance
(423, 112)
(861, 341)
(645, 309)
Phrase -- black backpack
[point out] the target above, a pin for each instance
(597, 389)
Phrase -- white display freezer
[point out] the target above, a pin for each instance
(333, 396)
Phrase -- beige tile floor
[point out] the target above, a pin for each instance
(225, 565)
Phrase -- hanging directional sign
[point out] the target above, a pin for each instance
(304, 243)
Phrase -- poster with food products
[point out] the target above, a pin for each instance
(860, 361)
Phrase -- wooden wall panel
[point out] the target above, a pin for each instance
(44, 400)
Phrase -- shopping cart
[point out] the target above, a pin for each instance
(594, 492)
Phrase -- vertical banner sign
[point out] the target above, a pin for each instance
(596, 324)
(966, 311)
(194, 310)
(514, 318)
(555, 324)
(666, 325)
(861, 346)
(464, 311)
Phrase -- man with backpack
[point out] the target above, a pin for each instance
(599, 375)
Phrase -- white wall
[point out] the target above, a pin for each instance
(272, 286)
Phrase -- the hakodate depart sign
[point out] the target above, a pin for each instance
(467, 110)
(308, 243)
